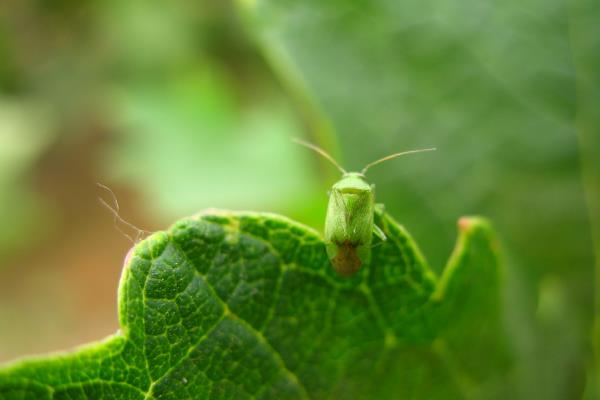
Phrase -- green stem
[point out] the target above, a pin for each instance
(585, 44)
(319, 126)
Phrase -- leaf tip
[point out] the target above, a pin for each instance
(464, 223)
(469, 224)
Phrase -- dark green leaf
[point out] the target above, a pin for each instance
(246, 305)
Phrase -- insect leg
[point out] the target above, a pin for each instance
(379, 232)
(379, 211)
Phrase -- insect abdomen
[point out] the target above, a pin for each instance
(344, 258)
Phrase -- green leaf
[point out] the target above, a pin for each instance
(246, 305)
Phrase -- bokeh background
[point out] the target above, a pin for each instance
(178, 106)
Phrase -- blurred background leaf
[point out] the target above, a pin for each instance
(25, 136)
(179, 106)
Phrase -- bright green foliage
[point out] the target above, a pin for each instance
(246, 305)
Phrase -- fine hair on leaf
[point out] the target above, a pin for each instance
(114, 210)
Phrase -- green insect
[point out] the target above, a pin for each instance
(349, 225)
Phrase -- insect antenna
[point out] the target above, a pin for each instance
(392, 156)
(321, 152)
(114, 210)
